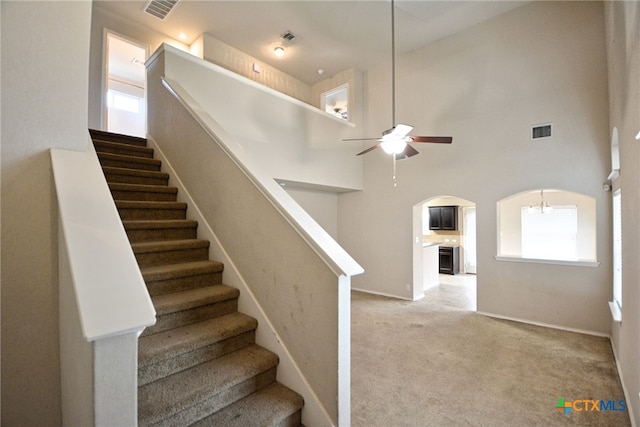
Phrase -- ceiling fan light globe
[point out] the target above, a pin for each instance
(392, 146)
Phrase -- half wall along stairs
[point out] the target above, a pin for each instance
(199, 364)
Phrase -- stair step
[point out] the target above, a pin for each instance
(195, 305)
(134, 176)
(167, 279)
(135, 210)
(170, 252)
(102, 146)
(130, 162)
(117, 137)
(175, 350)
(147, 193)
(155, 230)
(273, 405)
(194, 394)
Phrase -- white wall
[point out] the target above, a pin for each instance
(623, 54)
(45, 53)
(285, 138)
(321, 205)
(543, 62)
(214, 50)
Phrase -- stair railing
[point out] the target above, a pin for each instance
(103, 301)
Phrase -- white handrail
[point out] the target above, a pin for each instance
(111, 294)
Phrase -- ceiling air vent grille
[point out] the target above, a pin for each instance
(542, 131)
(160, 8)
(288, 37)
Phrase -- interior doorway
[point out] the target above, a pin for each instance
(469, 239)
(125, 107)
(444, 251)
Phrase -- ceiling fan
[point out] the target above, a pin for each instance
(396, 140)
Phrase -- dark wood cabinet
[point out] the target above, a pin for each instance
(449, 260)
(443, 218)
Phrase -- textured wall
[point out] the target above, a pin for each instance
(543, 62)
(623, 53)
(45, 52)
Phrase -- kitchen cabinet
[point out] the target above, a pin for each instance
(449, 259)
(443, 218)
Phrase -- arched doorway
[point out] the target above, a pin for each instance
(444, 249)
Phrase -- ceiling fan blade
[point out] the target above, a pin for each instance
(433, 139)
(368, 149)
(361, 139)
(399, 130)
(410, 151)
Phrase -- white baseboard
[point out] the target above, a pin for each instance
(382, 294)
(545, 325)
(624, 388)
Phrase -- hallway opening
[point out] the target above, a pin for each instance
(444, 251)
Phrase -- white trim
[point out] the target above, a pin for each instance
(544, 325)
(615, 174)
(616, 314)
(548, 261)
(288, 373)
(382, 294)
(624, 387)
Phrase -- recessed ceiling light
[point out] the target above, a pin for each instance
(278, 51)
(321, 71)
(182, 36)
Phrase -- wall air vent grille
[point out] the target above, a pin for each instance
(542, 131)
(160, 8)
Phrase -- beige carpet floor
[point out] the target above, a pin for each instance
(432, 363)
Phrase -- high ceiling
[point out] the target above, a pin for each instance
(332, 35)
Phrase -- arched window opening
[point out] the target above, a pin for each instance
(547, 225)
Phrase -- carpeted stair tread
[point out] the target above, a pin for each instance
(150, 224)
(142, 192)
(208, 384)
(170, 251)
(185, 269)
(135, 176)
(132, 162)
(180, 301)
(118, 186)
(166, 279)
(169, 344)
(144, 247)
(101, 135)
(185, 355)
(133, 209)
(273, 405)
(164, 229)
(103, 146)
(133, 204)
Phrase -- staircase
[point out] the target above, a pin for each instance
(199, 364)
